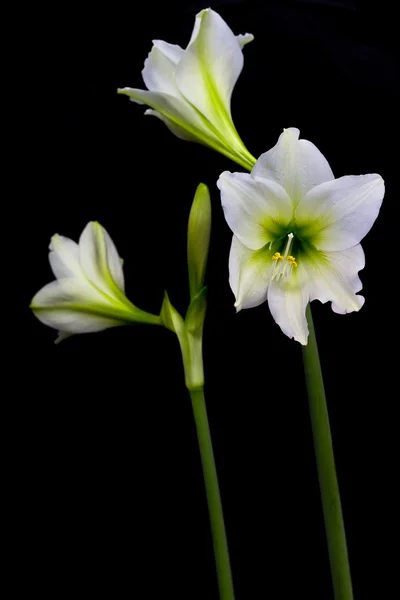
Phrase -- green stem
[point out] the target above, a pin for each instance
(328, 483)
(213, 496)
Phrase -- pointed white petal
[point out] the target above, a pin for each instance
(64, 257)
(99, 259)
(159, 70)
(287, 302)
(66, 291)
(176, 129)
(337, 215)
(176, 110)
(249, 274)
(57, 305)
(72, 322)
(296, 164)
(210, 67)
(257, 211)
(244, 39)
(334, 277)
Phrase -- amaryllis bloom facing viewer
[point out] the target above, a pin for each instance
(297, 232)
(190, 90)
(88, 294)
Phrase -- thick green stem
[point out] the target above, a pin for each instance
(328, 483)
(213, 496)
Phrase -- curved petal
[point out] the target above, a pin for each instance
(334, 277)
(67, 291)
(160, 67)
(257, 211)
(173, 52)
(210, 67)
(176, 129)
(71, 306)
(64, 257)
(249, 274)
(99, 259)
(176, 110)
(297, 165)
(337, 215)
(287, 302)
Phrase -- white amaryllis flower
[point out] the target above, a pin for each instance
(190, 90)
(88, 294)
(297, 232)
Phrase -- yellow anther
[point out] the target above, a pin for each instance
(291, 260)
(277, 256)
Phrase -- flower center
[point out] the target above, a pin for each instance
(283, 266)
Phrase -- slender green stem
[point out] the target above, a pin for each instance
(213, 496)
(328, 483)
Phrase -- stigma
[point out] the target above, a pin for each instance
(284, 265)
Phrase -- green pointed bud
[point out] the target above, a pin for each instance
(199, 230)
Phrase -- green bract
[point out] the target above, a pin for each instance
(88, 294)
(190, 90)
(297, 231)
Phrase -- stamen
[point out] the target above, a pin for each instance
(284, 264)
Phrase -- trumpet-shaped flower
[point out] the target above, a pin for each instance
(88, 294)
(297, 232)
(190, 90)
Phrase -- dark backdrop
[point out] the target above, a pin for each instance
(108, 483)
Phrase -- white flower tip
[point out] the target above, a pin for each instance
(244, 39)
(292, 131)
(53, 241)
(62, 335)
(238, 306)
(225, 176)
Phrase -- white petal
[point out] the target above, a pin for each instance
(99, 259)
(70, 290)
(57, 305)
(210, 67)
(287, 302)
(114, 261)
(296, 164)
(244, 39)
(172, 51)
(257, 211)
(64, 257)
(72, 322)
(176, 129)
(249, 274)
(335, 278)
(338, 214)
(178, 111)
(159, 70)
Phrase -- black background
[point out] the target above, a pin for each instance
(107, 482)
